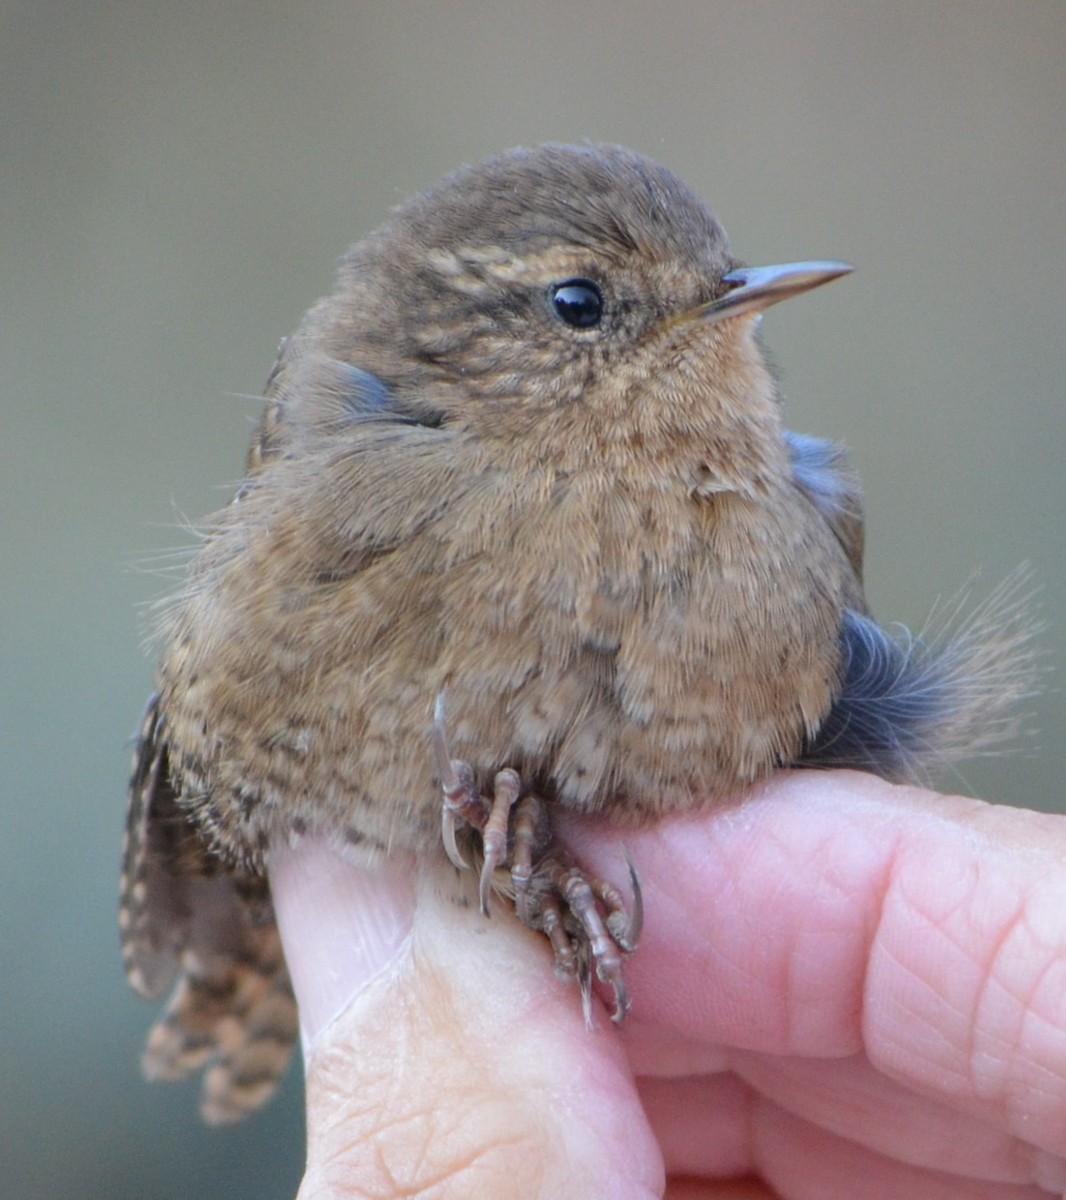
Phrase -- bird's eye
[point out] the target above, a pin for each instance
(578, 302)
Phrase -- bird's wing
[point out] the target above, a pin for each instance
(309, 391)
(821, 472)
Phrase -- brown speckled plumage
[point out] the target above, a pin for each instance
(637, 590)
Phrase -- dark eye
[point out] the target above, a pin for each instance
(578, 302)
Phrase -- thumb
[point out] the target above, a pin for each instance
(341, 926)
(443, 1059)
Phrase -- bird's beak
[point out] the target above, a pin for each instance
(756, 288)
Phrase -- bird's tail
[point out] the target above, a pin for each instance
(190, 924)
(912, 705)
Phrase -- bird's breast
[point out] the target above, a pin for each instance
(641, 650)
(628, 651)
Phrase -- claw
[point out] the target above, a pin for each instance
(621, 1000)
(628, 937)
(584, 979)
(624, 925)
(449, 779)
(454, 786)
(484, 887)
(447, 833)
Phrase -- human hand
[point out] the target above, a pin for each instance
(843, 987)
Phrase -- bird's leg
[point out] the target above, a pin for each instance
(554, 928)
(579, 895)
(531, 835)
(552, 895)
(494, 835)
(462, 800)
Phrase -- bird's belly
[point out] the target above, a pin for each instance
(689, 654)
(645, 674)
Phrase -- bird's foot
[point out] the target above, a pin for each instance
(584, 918)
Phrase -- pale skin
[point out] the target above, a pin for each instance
(843, 988)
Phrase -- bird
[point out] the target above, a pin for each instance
(521, 531)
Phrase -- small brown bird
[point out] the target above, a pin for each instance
(528, 457)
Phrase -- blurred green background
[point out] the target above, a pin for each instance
(177, 181)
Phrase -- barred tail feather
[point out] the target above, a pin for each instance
(234, 1018)
(912, 705)
(190, 924)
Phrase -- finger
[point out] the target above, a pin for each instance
(845, 1097)
(729, 1189)
(700, 1121)
(340, 926)
(703, 1124)
(806, 1163)
(851, 1099)
(663, 1052)
(833, 914)
(462, 1067)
